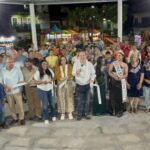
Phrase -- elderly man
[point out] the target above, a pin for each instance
(14, 55)
(31, 91)
(84, 73)
(11, 76)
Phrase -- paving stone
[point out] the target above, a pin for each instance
(3, 140)
(20, 131)
(137, 127)
(147, 135)
(41, 125)
(48, 142)
(43, 149)
(25, 142)
(113, 130)
(87, 133)
(136, 147)
(15, 148)
(62, 132)
(128, 138)
(38, 132)
(109, 148)
(99, 141)
(68, 143)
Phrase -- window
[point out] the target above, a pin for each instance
(14, 21)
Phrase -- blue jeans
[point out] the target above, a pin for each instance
(47, 101)
(83, 99)
(147, 96)
(2, 112)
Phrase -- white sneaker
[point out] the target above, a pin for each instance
(70, 116)
(46, 122)
(53, 118)
(62, 117)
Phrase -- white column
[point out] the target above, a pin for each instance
(33, 26)
(120, 19)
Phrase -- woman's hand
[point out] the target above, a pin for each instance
(128, 86)
(116, 78)
(139, 86)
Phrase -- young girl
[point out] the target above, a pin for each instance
(146, 87)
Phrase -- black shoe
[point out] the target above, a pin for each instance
(13, 122)
(88, 117)
(79, 118)
(22, 122)
(31, 118)
(38, 118)
(119, 115)
(4, 126)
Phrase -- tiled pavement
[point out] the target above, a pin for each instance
(131, 132)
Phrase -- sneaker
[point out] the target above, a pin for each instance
(62, 117)
(70, 116)
(46, 122)
(53, 118)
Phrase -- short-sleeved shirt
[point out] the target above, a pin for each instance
(52, 61)
(44, 87)
(11, 78)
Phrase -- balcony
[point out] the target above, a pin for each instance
(24, 27)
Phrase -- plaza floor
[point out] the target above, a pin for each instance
(131, 132)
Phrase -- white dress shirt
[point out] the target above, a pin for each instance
(86, 74)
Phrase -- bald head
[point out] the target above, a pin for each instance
(9, 63)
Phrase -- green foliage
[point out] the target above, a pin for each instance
(89, 17)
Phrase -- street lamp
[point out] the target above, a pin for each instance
(92, 6)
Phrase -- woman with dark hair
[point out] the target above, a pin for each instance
(65, 89)
(135, 80)
(44, 80)
(118, 72)
(99, 109)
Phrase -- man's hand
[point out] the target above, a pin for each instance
(78, 71)
(7, 89)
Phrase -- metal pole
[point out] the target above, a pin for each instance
(33, 26)
(120, 19)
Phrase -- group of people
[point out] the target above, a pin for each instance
(70, 81)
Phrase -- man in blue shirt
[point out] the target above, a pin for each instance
(11, 76)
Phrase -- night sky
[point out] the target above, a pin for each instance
(5, 14)
(55, 14)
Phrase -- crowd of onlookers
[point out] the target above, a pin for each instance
(71, 80)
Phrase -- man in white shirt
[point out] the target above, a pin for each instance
(11, 76)
(84, 74)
